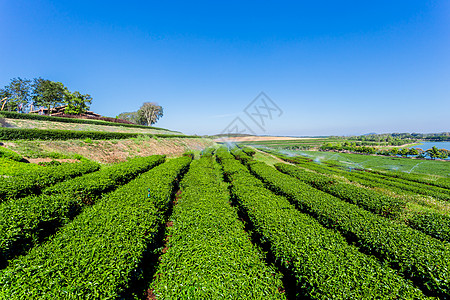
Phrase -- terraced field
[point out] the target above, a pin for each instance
(222, 226)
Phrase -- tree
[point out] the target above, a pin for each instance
(4, 96)
(433, 152)
(17, 94)
(151, 112)
(394, 151)
(444, 153)
(48, 93)
(404, 152)
(413, 151)
(77, 103)
(132, 117)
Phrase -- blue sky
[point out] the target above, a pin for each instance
(332, 67)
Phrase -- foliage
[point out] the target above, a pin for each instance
(25, 222)
(133, 117)
(48, 93)
(150, 112)
(53, 134)
(7, 153)
(371, 178)
(50, 163)
(404, 152)
(98, 253)
(190, 154)
(9, 167)
(321, 262)
(373, 201)
(17, 94)
(32, 181)
(249, 151)
(77, 103)
(206, 235)
(13, 115)
(434, 224)
(419, 256)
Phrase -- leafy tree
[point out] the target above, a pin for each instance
(48, 93)
(404, 152)
(17, 94)
(77, 103)
(444, 153)
(132, 117)
(4, 96)
(394, 151)
(413, 151)
(433, 152)
(151, 112)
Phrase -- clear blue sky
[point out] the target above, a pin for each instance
(333, 67)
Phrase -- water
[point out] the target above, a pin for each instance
(428, 145)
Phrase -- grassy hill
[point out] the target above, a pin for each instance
(102, 150)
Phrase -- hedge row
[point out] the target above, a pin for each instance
(26, 222)
(248, 150)
(32, 181)
(323, 264)
(434, 224)
(89, 187)
(14, 115)
(209, 254)
(370, 200)
(208, 151)
(10, 167)
(439, 182)
(54, 134)
(372, 179)
(6, 153)
(420, 257)
(98, 255)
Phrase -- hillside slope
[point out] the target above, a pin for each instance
(105, 151)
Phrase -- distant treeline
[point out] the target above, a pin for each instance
(398, 139)
(433, 153)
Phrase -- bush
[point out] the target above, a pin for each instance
(26, 222)
(321, 262)
(98, 254)
(434, 224)
(368, 199)
(415, 254)
(7, 153)
(207, 235)
(32, 181)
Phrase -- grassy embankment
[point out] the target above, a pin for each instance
(105, 151)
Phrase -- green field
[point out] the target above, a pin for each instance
(426, 167)
(220, 223)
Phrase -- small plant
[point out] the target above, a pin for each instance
(49, 163)
(87, 141)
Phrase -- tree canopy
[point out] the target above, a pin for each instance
(22, 94)
(16, 95)
(48, 93)
(77, 103)
(151, 112)
(148, 114)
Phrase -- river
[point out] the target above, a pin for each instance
(428, 145)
